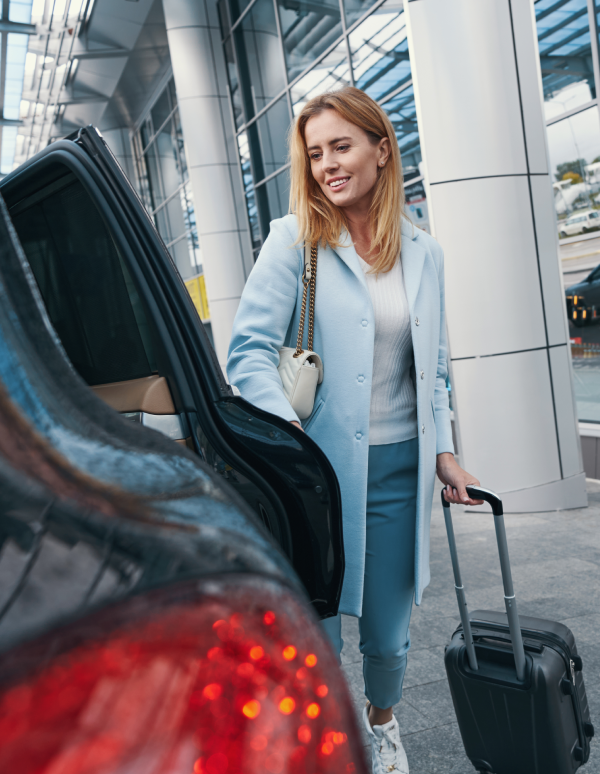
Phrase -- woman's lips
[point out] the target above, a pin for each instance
(337, 185)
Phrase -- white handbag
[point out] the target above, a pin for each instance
(302, 370)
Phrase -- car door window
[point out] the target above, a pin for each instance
(86, 287)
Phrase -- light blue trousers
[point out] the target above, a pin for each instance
(389, 582)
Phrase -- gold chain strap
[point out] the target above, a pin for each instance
(311, 307)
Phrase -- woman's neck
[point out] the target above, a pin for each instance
(359, 226)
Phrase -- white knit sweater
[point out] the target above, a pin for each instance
(393, 399)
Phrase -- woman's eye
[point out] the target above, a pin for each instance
(315, 156)
(343, 148)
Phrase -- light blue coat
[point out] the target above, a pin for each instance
(267, 319)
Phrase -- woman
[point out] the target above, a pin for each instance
(381, 413)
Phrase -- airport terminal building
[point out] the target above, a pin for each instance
(495, 108)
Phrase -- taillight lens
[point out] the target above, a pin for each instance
(215, 677)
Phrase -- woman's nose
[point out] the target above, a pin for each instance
(329, 162)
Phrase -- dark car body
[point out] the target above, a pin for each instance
(583, 299)
(126, 322)
(148, 620)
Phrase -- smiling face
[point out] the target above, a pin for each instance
(344, 160)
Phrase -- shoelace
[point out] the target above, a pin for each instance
(387, 751)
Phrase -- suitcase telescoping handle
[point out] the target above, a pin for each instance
(477, 493)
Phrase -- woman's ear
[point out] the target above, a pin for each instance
(383, 151)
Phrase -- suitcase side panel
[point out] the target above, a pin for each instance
(508, 729)
(551, 634)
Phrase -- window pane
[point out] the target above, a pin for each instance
(161, 110)
(416, 200)
(278, 195)
(379, 50)
(354, 9)
(249, 189)
(272, 131)
(259, 57)
(565, 54)
(180, 157)
(403, 115)
(234, 86)
(574, 145)
(167, 158)
(237, 7)
(164, 182)
(223, 17)
(86, 288)
(308, 30)
(330, 73)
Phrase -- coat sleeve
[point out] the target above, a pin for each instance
(443, 426)
(262, 321)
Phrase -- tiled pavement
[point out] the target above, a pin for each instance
(556, 571)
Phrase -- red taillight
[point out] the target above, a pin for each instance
(202, 679)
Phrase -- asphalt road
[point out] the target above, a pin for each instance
(578, 259)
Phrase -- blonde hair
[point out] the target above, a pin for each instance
(319, 220)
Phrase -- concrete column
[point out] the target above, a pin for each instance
(478, 92)
(201, 83)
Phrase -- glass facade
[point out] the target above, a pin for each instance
(281, 53)
(568, 43)
(164, 183)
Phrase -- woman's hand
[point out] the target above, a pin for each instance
(456, 480)
(298, 425)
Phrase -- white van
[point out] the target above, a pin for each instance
(579, 223)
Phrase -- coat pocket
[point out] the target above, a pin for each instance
(316, 411)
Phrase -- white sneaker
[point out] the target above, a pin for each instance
(387, 752)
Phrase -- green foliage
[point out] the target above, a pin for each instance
(577, 166)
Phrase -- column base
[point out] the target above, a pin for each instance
(556, 496)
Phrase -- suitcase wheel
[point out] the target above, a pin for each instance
(588, 730)
(578, 754)
(578, 663)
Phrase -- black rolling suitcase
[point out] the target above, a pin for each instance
(516, 682)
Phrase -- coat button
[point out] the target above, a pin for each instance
(416, 320)
(422, 374)
(360, 379)
(423, 429)
(364, 323)
(358, 436)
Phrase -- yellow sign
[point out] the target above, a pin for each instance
(197, 290)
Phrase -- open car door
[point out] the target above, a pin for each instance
(131, 331)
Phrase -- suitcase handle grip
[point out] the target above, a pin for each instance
(478, 493)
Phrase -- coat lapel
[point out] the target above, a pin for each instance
(349, 256)
(413, 260)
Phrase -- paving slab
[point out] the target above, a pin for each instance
(556, 570)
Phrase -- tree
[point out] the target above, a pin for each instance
(576, 166)
(573, 177)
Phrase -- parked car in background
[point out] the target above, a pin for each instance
(583, 299)
(129, 328)
(148, 621)
(580, 223)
